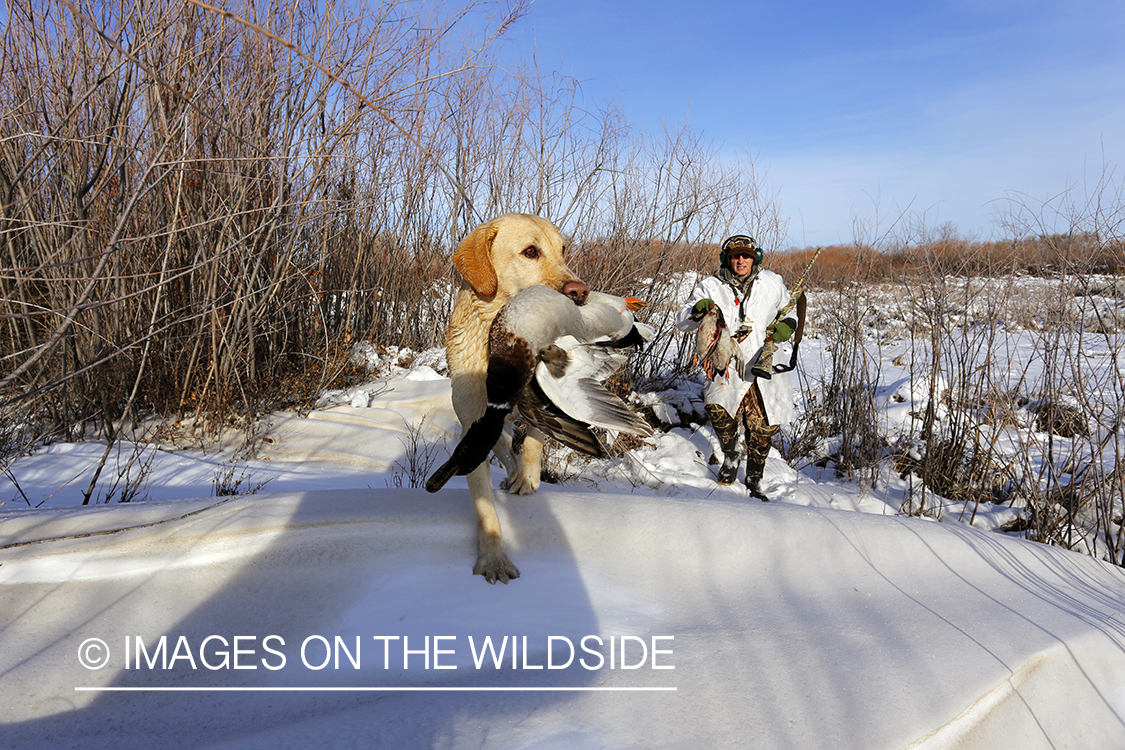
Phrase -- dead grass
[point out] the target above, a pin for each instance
(1046, 255)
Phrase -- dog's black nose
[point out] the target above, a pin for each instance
(577, 291)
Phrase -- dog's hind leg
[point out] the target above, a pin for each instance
(492, 561)
(524, 480)
(506, 454)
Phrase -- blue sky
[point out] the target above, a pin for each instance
(866, 110)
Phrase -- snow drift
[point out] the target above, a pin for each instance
(773, 626)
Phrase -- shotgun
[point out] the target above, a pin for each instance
(764, 367)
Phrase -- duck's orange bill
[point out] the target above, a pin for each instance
(634, 304)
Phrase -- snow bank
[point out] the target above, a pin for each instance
(780, 625)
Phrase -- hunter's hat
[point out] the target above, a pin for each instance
(739, 244)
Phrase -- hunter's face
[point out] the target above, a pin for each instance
(741, 263)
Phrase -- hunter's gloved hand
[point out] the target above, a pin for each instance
(780, 331)
(701, 308)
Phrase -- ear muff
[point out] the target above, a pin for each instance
(473, 258)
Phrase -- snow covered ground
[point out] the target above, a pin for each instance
(335, 607)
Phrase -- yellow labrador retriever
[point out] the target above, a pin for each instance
(499, 259)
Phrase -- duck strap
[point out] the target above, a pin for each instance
(797, 336)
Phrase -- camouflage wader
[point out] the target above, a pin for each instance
(759, 437)
(726, 430)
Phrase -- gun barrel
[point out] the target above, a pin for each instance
(798, 289)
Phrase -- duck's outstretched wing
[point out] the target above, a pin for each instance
(571, 380)
(539, 412)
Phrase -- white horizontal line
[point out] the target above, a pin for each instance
(369, 689)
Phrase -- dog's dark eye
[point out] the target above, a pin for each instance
(531, 252)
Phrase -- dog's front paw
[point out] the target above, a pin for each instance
(495, 566)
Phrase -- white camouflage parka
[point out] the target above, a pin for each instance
(767, 295)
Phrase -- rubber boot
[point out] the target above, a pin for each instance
(753, 480)
(758, 442)
(726, 430)
(728, 472)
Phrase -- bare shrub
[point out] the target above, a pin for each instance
(562, 465)
(1064, 420)
(414, 467)
(840, 424)
(171, 211)
(231, 481)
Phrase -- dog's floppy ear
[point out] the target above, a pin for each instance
(473, 258)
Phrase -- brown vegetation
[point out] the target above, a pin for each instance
(1037, 256)
(200, 211)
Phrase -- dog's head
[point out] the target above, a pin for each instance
(502, 257)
